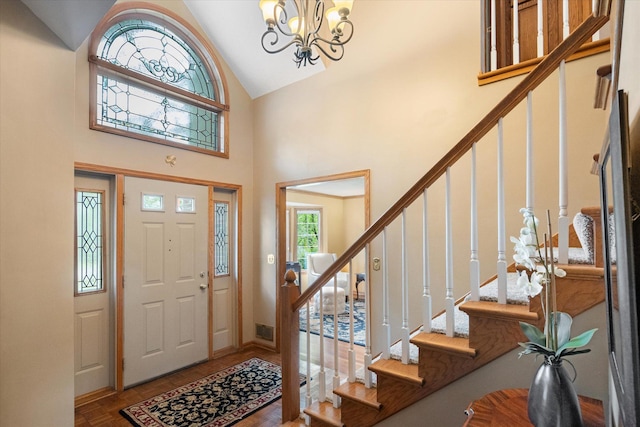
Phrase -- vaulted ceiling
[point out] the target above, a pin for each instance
(381, 34)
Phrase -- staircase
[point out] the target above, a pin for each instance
(489, 325)
(493, 330)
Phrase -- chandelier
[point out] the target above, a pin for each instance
(303, 29)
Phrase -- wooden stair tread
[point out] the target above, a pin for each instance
(494, 310)
(397, 369)
(453, 345)
(583, 271)
(325, 413)
(358, 392)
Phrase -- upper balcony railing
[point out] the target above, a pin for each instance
(515, 39)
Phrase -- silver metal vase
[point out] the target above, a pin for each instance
(553, 401)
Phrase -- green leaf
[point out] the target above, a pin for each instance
(579, 341)
(570, 352)
(534, 334)
(532, 347)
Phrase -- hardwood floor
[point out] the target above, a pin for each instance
(104, 412)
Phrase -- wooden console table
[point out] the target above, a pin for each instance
(509, 408)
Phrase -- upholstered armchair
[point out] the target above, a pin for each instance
(318, 262)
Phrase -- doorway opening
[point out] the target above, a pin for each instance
(321, 214)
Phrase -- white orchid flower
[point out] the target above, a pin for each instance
(558, 272)
(531, 288)
(523, 253)
(530, 221)
(536, 284)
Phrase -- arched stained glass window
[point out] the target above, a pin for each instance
(154, 79)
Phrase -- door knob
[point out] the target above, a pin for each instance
(203, 286)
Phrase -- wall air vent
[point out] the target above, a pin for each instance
(264, 332)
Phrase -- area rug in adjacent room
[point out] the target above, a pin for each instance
(218, 400)
(359, 321)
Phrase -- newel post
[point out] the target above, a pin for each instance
(290, 348)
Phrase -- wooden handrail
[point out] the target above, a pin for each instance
(546, 67)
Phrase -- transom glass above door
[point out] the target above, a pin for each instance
(154, 79)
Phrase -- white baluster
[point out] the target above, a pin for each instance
(563, 190)
(308, 397)
(565, 19)
(474, 263)
(594, 9)
(386, 344)
(529, 154)
(368, 358)
(351, 354)
(449, 302)
(540, 38)
(426, 279)
(336, 361)
(502, 263)
(494, 44)
(516, 33)
(322, 377)
(405, 291)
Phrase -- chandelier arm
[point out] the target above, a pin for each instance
(340, 29)
(271, 32)
(281, 23)
(334, 54)
(318, 17)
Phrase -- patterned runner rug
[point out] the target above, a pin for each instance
(359, 321)
(218, 400)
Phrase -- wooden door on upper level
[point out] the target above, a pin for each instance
(528, 26)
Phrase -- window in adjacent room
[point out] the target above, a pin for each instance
(307, 234)
(154, 79)
(90, 250)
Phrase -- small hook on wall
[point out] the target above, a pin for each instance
(170, 160)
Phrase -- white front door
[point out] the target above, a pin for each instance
(93, 316)
(224, 279)
(165, 277)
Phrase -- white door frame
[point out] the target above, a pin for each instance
(120, 175)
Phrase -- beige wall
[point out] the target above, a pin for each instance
(44, 102)
(36, 222)
(630, 62)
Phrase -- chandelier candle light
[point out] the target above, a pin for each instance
(304, 28)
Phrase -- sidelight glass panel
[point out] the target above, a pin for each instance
(89, 241)
(221, 231)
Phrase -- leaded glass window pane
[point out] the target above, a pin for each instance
(181, 109)
(89, 241)
(221, 231)
(155, 51)
(123, 105)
